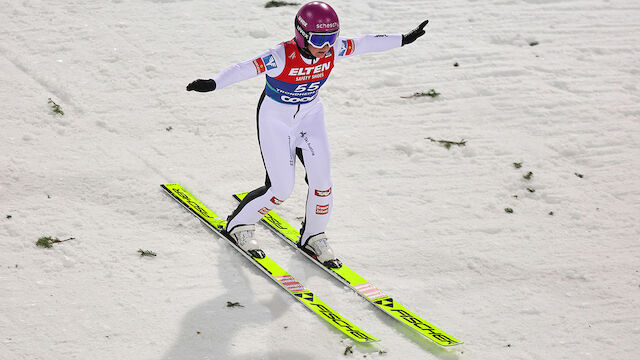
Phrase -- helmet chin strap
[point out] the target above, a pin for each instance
(305, 52)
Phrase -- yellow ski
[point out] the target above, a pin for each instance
(270, 267)
(356, 282)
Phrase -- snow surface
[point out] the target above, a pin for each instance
(425, 224)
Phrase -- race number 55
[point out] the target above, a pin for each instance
(307, 87)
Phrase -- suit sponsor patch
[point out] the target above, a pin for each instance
(323, 193)
(270, 62)
(322, 209)
(348, 46)
(259, 64)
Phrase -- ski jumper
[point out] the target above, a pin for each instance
(290, 119)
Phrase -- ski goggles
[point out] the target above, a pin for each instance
(320, 40)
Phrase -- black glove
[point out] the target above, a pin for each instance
(202, 85)
(414, 34)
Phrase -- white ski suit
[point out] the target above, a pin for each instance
(290, 119)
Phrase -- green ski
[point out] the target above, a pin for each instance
(270, 267)
(356, 282)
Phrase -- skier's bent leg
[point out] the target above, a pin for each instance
(257, 204)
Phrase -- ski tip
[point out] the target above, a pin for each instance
(450, 344)
(369, 340)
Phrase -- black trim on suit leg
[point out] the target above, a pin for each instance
(267, 182)
(301, 157)
(306, 179)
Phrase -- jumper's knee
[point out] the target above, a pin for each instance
(278, 193)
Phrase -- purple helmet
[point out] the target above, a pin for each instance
(316, 24)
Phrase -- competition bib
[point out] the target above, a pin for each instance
(299, 82)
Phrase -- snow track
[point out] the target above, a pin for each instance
(549, 84)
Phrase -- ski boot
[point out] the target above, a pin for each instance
(317, 247)
(243, 237)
